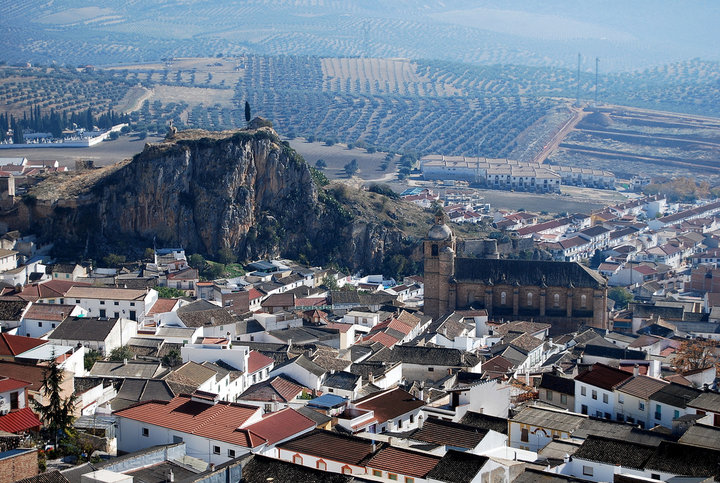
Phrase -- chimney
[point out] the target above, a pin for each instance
(636, 370)
(171, 477)
(124, 362)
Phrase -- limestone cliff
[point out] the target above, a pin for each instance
(243, 190)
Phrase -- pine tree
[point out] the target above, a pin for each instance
(57, 415)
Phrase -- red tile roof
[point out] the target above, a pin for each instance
(10, 384)
(389, 404)
(221, 422)
(162, 306)
(12, 345)
(257, 361)
(50, 312)
(339, 327)
(254, 294)
(19, 421)
(602, 376)
(331, 446)
(310, 301)
(385, 339)
(49, 289)
(403, 462)
(281, 425)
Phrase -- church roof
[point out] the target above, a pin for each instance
(525, 272)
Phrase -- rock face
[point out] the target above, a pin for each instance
(241, 190)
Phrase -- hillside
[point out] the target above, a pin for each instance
(205, 191)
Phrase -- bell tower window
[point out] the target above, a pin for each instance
(434, 250)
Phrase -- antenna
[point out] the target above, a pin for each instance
(597, 64)
(578, 81)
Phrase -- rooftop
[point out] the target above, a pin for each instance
(641, 386)
(548, 418)
(404, 462)
(614, 452)
(437, 431)
(389, 404)
(335, 446)
(602, 376)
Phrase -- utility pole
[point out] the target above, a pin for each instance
(597, 64)
(578, 82)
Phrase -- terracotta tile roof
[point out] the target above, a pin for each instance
(641, 386)
(310, 301)
(19, 421)
(332, 446)
(279, 300)
(339, 327)
(162, 306)
(278, 388)
(10, 384)
(404, 462)
(389, 404)
(602, 376)
(107, 293)
(12, 345)
(24, 372)
(49, 289)
(382, 337)
(281, 425)
(221, 422)
(441, 432)
(257, 361)
(255, 294)
(50, 312)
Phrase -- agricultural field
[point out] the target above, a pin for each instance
(657, 143)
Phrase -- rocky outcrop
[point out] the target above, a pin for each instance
(244, 190)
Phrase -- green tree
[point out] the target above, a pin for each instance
(169, 292)
(196, 261)
(621, 296)
(91, 356)
(247, 111)
(330, 283)
(351, 168)
(213, 270)
(149, 254)
(320, 164)
(596, 259)
(226, 256)
(121, 353)
(113, 260)
(172, 358)
(57, 414)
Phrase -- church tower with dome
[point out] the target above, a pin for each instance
(439, 255)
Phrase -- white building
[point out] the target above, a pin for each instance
(113, 302)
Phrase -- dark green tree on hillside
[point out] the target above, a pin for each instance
(351, 168)
(247, 111)
(57, 414)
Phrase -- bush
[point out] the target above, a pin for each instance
(121, 353)
(385, 190)
(169, 292)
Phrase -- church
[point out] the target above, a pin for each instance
(565, 294)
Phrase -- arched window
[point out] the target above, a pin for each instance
(503, 298)
(434, 250)
(556, 300)
(583, 301)
(321, 465)
(346, 470)
(529, 299)
(297, 459)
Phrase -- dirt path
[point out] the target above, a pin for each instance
(578, 114)
(134, 99)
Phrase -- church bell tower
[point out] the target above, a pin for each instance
(439, 257)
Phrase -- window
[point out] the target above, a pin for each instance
(132, 304)
(434, 250)
(145, 432)
(676, 414)
(587, 470)
(594, 394)
(392, 476)
(77, 301)
(14, 400)
(583, 301)
(641, 406)
(529, 299)
(67, 275)
(412, 418)
(321, 465)
(556, 300)
(116, 303)
(39, 324)
(409, 479)
(431, 369)
(102, 302)
(116, 315)
(216, 449)
(297, 459)
(503, 298)
(53, 325)
(103, 313)
(377, 473)
(658, 412)
(231, 453)
(177, 439)
(584, 409)
(524, 435)
(563, 398)
(548, 394)
(605, 398)
(133, 316)
(598, 414)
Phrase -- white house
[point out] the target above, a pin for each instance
(303, 370)
(113, 302)
(40, 319)
(595, 390)
(102, 335)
